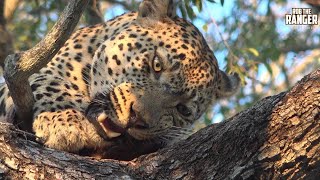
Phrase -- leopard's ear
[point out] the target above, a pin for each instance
(228, 84)
(156, 10)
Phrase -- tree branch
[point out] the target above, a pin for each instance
(19, 67)
(277, 138)
(93, 13)
(122, 3)
(58, 165)
(298, 47)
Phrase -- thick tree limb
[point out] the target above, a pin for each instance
(278, 138)
(21, 158)
(19, 67)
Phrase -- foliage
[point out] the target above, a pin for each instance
(186, 7)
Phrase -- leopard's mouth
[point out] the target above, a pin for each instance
(113, 130)
(100, 115)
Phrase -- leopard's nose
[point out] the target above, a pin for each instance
(136, 121)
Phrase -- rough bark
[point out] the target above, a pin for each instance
(277, 138)
(19, 67)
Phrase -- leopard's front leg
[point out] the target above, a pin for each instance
(59, 119)
(67, 130)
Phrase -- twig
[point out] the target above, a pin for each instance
(122, 3)
(298, 47)
(234, 57)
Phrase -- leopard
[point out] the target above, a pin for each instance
(144, 76)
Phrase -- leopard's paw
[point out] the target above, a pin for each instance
(66, 130)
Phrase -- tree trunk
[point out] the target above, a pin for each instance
(277, 138)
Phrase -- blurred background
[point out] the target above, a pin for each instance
(249, 37)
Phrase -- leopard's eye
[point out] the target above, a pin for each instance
(156, 64)
(184, 110)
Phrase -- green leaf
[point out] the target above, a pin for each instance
(253, 51)
(199, 5)
(189, 10)
(205, 27)
(212, 1)
(183, 11)
(268, 67)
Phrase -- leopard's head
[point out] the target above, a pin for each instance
(153, 76)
